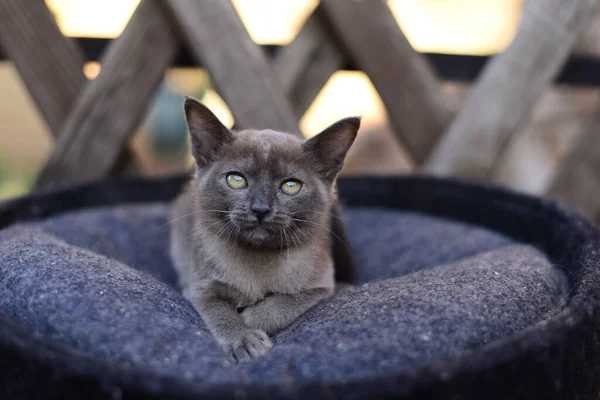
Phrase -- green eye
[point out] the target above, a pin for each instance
(291, 187)
(236, 181)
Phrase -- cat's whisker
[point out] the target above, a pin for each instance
(228, 236)
(287, 245)
(304, 234)
(194, 234)
(319, 212)
(213, 224)
(324, 227)
(280, 236)
(294, 237)
(223, 230)
(190, 214)
(231, 233)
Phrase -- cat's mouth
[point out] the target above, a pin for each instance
(259, 226)
(258, 229)
(266, 233)
(260, 234)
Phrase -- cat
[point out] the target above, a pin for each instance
(250, 237)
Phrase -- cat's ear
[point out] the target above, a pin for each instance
(330, 146)
(207, 133)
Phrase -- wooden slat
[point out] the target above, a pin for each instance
(50, 65)
(239, 69)
(577, 178)
(306, 64)
(576, 181)
(417, 108)
(509, 87)
(113, 104)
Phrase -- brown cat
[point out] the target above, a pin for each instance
(251, 230)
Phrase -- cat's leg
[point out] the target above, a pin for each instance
(184, 266)
(217, 304)
(277, 311)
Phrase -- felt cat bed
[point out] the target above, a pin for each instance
(463, 291)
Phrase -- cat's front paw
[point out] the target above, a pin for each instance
(248, 345)
(254, 318)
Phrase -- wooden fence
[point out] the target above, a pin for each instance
(93, 121)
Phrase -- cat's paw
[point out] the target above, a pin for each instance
(341, 287)
(248, 345)
(253, 317)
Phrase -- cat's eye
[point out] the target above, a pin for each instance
(291, 187)
(236, 181)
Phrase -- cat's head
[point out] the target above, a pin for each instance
(264, 188)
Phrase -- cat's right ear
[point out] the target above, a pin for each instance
(207, 133)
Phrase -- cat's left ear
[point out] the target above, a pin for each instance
(331, 145)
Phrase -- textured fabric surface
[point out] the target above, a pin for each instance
(556, 358)
(100, 281)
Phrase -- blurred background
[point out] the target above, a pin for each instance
(468, 27)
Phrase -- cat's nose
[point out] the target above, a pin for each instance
(260, 209)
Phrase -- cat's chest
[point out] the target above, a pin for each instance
(279, 275)
(258, 275)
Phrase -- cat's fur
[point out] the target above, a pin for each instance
(228, 259)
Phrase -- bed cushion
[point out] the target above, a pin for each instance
(97, 281)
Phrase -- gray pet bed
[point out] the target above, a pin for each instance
(93, 279)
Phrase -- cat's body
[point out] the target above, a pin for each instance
(245, 237)
(254, 273)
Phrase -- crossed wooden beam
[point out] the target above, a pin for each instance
(93, 121)
(97, 118)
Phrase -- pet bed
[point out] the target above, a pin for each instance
(462, 291)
